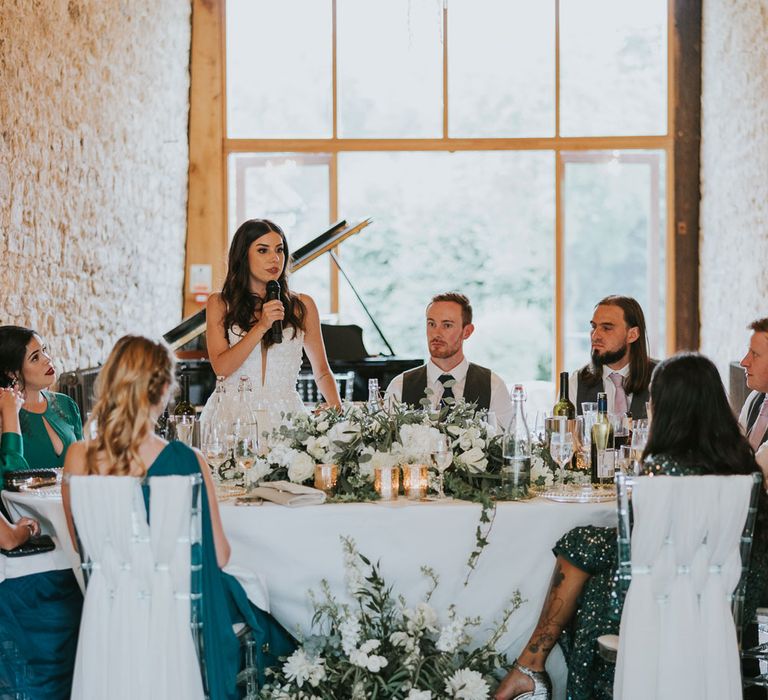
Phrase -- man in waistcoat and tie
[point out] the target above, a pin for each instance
(448, 373)
(621, 366)
(754, 415)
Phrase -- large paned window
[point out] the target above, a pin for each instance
(515, 150)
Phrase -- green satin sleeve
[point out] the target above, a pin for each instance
(11, 455)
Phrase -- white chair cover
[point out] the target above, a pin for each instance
(135, 637)
(677, 638)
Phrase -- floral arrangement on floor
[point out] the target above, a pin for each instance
(378, 647)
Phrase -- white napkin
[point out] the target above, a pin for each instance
(286, 493)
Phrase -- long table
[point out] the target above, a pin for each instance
(295, 548)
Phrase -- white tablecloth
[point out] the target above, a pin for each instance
(296, 548)
(43, 505)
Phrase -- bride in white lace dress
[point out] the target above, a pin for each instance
(238, 321)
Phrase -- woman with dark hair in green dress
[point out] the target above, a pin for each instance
(39, 612)
(693, 432)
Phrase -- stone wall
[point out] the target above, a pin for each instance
(94, 98)
(734, 174)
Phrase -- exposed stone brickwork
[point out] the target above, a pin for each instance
(734, 171)
(94, 99)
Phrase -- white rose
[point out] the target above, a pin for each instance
(257, 472)
(301, 468)
(322, 426)
(343, 431)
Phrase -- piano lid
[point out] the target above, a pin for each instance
(194, 326)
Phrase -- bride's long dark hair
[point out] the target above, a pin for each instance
(242, 304)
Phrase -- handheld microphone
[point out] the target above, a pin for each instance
(273, 292)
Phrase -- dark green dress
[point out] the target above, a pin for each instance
(593, 550)
(224, 600)
(39, 618)
(63, 415)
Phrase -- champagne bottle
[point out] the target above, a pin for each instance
(183, 406)
(602, 438)
(564, 407)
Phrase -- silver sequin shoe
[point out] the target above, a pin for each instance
(542, 685)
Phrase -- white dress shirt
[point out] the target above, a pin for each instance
(501, 403)
(761, 455)
(608, 387)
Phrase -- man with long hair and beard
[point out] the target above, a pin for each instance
(620, 366)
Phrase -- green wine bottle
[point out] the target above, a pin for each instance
(564, 407)
(183, 406)
(602, 438)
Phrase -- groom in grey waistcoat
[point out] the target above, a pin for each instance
(448, 373)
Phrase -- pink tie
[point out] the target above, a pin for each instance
(760, 426)
(620, 401)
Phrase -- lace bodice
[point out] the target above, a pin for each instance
(277, 393)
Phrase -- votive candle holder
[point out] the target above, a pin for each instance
(415, 481)
(326, 476)
(386, 481)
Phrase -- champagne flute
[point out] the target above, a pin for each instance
(442, 458)
(601, 432)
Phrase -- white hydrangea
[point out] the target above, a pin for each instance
(416, 442)
(467, 685)
(282, 455)
(301, 468)
(301, 668)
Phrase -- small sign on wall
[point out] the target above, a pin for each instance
(200, 282)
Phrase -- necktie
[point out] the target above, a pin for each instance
(447, 390)
(620, 400)
(760, 426)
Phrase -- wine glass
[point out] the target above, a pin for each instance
(215, 449)
(184, 426)
(561, 449)
(442, 458)
(639, 440)
(245, 451)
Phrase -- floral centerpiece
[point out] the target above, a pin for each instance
(361, 438)
(377, 646)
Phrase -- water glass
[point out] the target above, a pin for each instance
(442, 458)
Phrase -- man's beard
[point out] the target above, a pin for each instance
(609, 357)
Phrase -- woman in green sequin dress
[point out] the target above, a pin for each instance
(693, 432)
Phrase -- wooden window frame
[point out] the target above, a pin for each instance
(207, 233)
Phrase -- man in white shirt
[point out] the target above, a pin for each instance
(620, 363)
(449, 324)
(754, 415)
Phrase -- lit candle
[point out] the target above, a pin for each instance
(325, 477)
(415, 481)
(386, 481)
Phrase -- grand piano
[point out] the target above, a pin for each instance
(344, 344)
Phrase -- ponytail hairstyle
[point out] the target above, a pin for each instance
(133, 382)
(242, 304)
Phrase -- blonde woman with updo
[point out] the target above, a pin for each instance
(132, 390)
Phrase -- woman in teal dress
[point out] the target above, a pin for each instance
(693, 432)
(133, 388)
(50, 422)
(39, 612)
